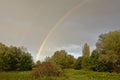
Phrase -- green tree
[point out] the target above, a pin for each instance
(70, 60)
(96, 64)
(86, 63)
(62, 59)
(25, 62)
(3, 49)
(78, 63)
(16, 54)
(86, 50)
(13, 58)
(59, 58)
(108, 46)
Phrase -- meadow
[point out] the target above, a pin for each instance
(68, 74)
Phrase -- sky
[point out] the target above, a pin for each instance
(27, 22)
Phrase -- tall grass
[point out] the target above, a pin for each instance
(69, 74)
(90, 75)
(14, 75)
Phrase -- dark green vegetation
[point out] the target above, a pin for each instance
(108, 51)
(106, 56)
(105, 60)
(62, 59)
(69, 74)
(13, 58)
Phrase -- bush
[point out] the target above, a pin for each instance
(86, 64)
(97, 64)
(62, 59)
(47, 69)
(78, 63)
(14, 58)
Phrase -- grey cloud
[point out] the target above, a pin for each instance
(27, 22)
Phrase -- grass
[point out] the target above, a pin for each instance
(69, 74)
(14, 75)
(90, 75)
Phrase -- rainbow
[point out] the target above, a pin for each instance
(57, 24)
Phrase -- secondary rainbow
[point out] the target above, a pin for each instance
(57, 24)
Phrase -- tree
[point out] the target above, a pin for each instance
(16, 54)
(86, 63)
(62, 59)
(78, 63)
(59, 58)
(25, 62)
(3, 49)
(13, 58)
(86, 50)
(70, 60)
(108, 46)
(96, 64)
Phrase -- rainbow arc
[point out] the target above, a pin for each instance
(81, 3)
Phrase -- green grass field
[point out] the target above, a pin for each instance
(69, 74)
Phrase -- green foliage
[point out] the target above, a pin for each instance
(25, 62)
(62, 59)
(86, 50)
(3, 49)
(108, 46)
(106, 57)
(13, 58)
(96, 64)
(78, 63)
(46, 69)
(70, 60)
(86, 63)
(109, 42)
(70, 74)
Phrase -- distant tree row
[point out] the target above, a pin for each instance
(13, 58)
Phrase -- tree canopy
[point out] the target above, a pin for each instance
(108, 46)
(86, 50)
(62, 59)
(14, 58)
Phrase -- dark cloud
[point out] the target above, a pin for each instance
(27, 22)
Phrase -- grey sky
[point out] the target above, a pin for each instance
(27, 22)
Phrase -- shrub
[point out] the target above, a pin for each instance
(78, 63)
(47, 69)
(86, 64)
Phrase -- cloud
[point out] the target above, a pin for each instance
(27, 22)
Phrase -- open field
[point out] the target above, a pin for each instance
(69, 74)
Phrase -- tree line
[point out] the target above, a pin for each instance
(106, 57)
(14, 58)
